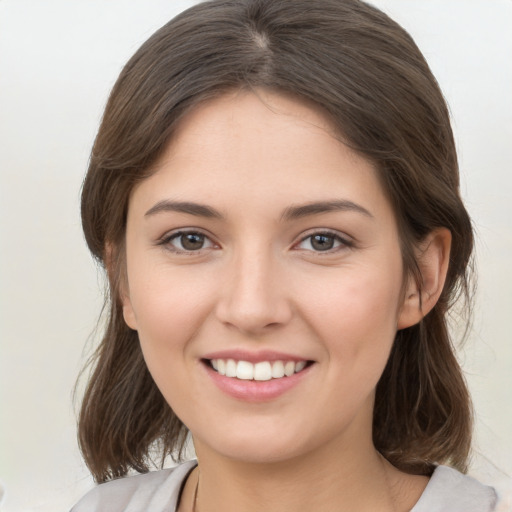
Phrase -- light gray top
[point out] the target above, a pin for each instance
(158, 491)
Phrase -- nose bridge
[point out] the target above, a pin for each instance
(253, 298)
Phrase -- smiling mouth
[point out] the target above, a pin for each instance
(261, 371)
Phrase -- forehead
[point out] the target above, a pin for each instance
(253, 147)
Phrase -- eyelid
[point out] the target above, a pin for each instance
(166, 239)
(345, 240)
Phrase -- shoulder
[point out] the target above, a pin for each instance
(451, 491)
(156, 491)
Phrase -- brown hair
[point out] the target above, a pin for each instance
(367, 74)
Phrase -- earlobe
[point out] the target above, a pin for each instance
(116, 271)
(128, 313)
(433, 257)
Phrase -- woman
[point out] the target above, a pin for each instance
(274, 194)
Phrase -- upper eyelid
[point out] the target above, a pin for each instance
(167, 239)
(343, 237)
(185, 231)
(326, 231)
(346, 242)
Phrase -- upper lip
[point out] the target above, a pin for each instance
(254, 356)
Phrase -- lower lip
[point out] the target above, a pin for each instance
(256, 390)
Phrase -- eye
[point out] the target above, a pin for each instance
(187, 241)
(323, 242)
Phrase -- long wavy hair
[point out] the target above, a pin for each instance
(367, 75)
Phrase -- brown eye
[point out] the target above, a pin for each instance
(322, 242)
(192, 241)
(188, 241)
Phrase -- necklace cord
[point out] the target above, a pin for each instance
(194, 501)
(390, 495)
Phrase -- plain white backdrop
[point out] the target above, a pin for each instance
(58, 61)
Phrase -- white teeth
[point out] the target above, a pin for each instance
(244, 370)
(264, 370)
(278, 370)
(231, 368)
(300, 366)
(289, 368)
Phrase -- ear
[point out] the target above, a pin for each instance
(118, 280)
(433, 257)
(128, 313)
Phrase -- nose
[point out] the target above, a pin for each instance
(254, 297)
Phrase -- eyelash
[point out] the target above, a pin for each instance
(343, 243)
(167, 241)
(337, 239)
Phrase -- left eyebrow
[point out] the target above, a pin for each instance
(199, 210)
(299, 211)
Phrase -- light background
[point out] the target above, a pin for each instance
(58, 61)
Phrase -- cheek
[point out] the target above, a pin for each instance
(356, 313)
(170, 311)
(170, 305)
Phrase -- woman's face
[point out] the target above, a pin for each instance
(263, 245)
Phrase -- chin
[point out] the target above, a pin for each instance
(261, 453)
(256, 445)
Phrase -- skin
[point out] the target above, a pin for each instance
(258, 283)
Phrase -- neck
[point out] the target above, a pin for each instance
(330, 479)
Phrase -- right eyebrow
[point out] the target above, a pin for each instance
(320, 207)
(197, 209)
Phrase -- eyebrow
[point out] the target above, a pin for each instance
(290, 213)
(317, 208)
(199, 210)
